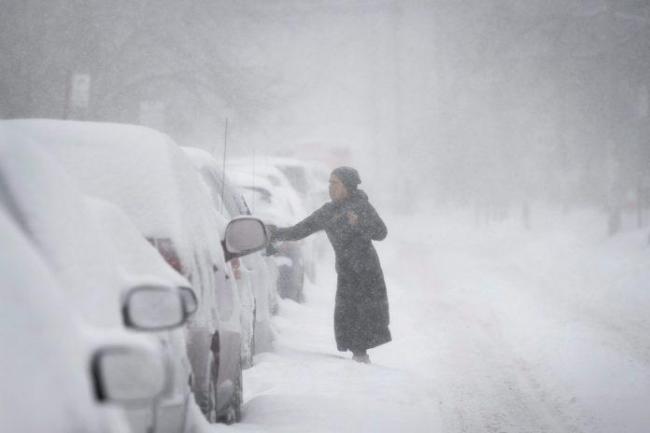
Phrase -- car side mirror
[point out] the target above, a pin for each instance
(154, 308)
(190, 302)
(128, 375)
(244, 235)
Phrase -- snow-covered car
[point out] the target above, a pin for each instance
(304, 185)
(274, 204)
(93, 246)
(138, 259)
(55, 374)
(54, 217)
(256, 274)
(147, 175)
(293, 205)
(309, 179)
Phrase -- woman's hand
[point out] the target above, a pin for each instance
(271, 250)
(353, 218)
(271, 228)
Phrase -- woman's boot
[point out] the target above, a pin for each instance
(361, 356)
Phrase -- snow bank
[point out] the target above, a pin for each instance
(306, 385)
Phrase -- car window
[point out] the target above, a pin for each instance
(234, 202)
(260, 199)
(297, 178)
(241, 204)
(214, 186)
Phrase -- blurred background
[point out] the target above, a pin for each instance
(494, 106)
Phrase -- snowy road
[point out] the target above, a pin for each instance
(495, 330)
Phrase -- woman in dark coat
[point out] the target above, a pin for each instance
(361, 315)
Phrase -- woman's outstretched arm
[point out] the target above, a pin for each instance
(313, 223)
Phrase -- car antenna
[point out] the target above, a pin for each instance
(253, 195)
(223, 164)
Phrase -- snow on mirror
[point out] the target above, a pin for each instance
(128, 376)
(154, 308)
(245, 235)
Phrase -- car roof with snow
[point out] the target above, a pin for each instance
(259, 168)
(306, 176)
(265, 200)
(248, 179)
(273, 164)
(139, 169)
(269, 177)
(295, 162)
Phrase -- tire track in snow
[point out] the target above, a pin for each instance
(625, 334)
(488, 386)
(496, 390)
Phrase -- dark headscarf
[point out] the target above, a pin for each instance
(349, 177)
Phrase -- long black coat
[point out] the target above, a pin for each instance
(361, 315)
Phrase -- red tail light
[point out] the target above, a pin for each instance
(236, 268)
(166, 249)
